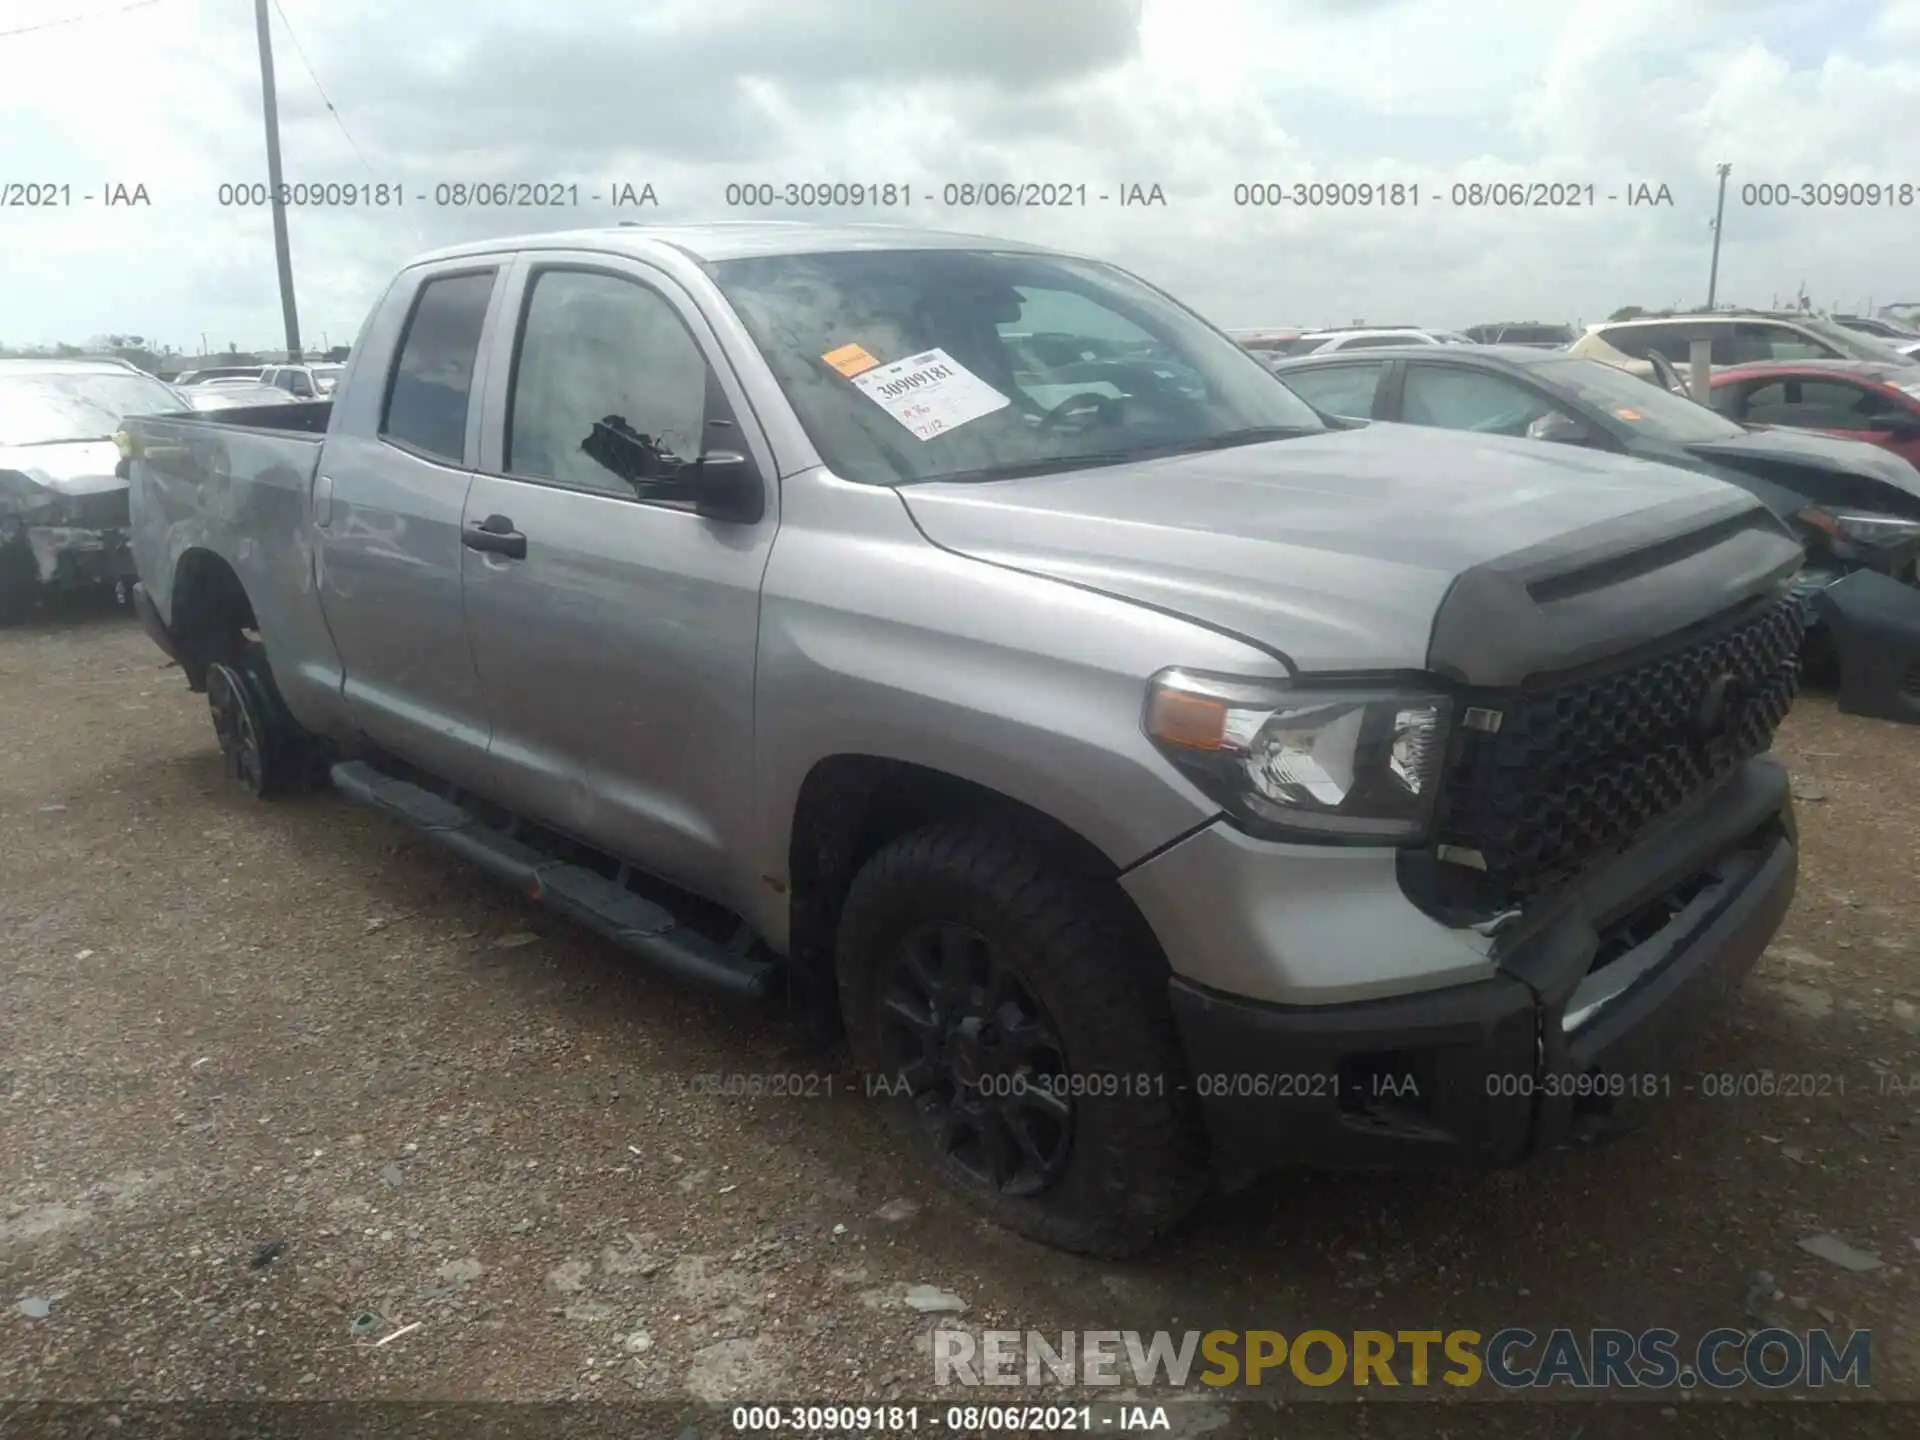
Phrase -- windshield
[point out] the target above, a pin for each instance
(1647, 408)
(48, 408)
(1853, 344)
(116, 394)
(908, 365)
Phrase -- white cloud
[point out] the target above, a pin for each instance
(1196, 95)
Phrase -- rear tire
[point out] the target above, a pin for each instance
(264, 747)
(1016, 1013)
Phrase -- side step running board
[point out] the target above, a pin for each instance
(631, 921)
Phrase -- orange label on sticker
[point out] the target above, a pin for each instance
(850, 360)
(1625, 414)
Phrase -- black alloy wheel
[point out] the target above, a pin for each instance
(979, 1056)
(239, 726)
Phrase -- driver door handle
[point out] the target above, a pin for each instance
(495, 535)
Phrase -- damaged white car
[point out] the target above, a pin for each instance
(63, 498)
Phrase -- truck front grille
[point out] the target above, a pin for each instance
(1579, 767)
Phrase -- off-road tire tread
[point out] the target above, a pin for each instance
(1139, 1164)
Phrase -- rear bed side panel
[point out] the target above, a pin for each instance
(243, 494)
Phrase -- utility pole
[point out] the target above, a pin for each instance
(281, 254)
(1719, 214)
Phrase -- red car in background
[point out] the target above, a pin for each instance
(1848, 399)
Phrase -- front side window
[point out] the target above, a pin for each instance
(608, 385)
(433, 377)
(1343, 390)
(1816, 405)
(1455, 398)
(907, 365)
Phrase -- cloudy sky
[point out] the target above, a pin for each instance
(1196, 96)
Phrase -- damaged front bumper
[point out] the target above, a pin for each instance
(1583, 1028)
(1863, 610)
(62, 541)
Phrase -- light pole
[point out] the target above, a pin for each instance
(1719, 214)
(281, 254)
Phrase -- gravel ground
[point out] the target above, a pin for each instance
(269, 1069)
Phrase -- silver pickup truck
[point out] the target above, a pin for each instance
(967, 642)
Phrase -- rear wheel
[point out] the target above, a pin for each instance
(264, 747)
(1015, 1013)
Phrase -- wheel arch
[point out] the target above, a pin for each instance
(851, 805)
(211, 612)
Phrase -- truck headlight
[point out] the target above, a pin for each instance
(1857, 527)
(1355, 764)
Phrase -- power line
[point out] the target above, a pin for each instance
(325, 99)
(76, 19)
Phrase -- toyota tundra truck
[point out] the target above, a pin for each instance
(1154, 782)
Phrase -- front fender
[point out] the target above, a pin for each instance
(873, 642)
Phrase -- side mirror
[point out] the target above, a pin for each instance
(726, 485)
(1559, 429)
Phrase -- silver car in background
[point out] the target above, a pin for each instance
(63, 496)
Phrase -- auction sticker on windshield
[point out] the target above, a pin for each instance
(930, 393)
(850, 360)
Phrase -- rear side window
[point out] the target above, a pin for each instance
(1343, 390)
(1776, 342)
(433, 378)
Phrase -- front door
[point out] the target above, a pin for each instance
(387, 508)
(616, 638)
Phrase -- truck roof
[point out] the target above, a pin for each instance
(735, 240)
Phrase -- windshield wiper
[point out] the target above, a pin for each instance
(1050, 464)
(1250, 435)
(61, 440)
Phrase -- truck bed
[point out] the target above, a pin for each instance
(237, 484)
(300, 417)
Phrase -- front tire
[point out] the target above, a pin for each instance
(1017, 1012)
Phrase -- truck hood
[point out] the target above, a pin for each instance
(1822, 453)
(1333, 551)
(70, 467)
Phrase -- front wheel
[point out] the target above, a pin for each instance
(1016, 1013)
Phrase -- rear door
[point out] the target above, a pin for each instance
(387, 509)
(617, 643)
